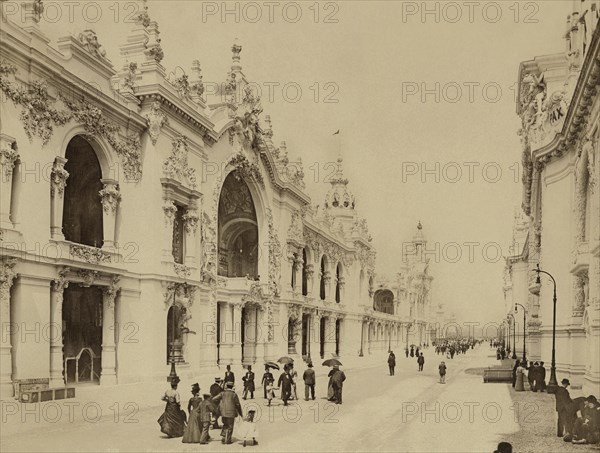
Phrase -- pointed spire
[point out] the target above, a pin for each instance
(338, 177)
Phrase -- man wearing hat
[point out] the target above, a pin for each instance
(229, 376)
(229, 407)
(309, 381)
(206, 408)
(563, 407)
(215, 389)
(585, 428)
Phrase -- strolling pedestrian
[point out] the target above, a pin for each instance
(270, 388)
(309, 382)
(172, 421)
(391, 362)
(229, 407)
(338, 379)
(442, 369)
(285, 383)
(205, 410)
(249, 383)
(214, 390)
(267, 376)
(406, 352)
(530, 375)
(229, 377)
(412, 350)
(514, 372)
(421, 361)
(563, 407)
(248, 429)
(294, 375)
(542, 377)
(192, 432)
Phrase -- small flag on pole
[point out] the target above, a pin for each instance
(337, 132)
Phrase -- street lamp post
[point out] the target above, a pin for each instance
(552, 383)
(514, 351)
(524, 333)
(508, 323)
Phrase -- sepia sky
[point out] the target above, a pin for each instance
(425, 105)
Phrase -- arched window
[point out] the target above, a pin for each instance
(323, 276)
(304, 273)
(82, 212)
(238, 230)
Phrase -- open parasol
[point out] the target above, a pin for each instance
(285, 360)
(332, 362)
(272, 365)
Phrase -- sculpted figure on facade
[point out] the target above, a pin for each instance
(155, 119)
(176, 166)
(89, 40)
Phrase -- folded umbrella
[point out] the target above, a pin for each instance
(332, 362)
(272, 365)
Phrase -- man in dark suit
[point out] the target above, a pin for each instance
(337, 381)
(392, 362)
(309, 381)
(563, 407)
(229, 376)
(285, 383)
(530, 375)
(421, 361)
(542, 378)
(229, 407)
(249, 383)
(206, 408)
(214, 390)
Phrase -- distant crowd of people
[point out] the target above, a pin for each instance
(223, 402)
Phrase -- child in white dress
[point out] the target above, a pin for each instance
(248, 428)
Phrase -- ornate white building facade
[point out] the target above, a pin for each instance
(142, 223)
(559, 228)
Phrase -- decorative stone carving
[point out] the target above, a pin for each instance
(191, 219)
(89, 254)
(59, 178)
(169, 209)
(338, 196)
(144, 18)
(176, 166)
(244, 169)
(61, 283)
(7, 275)
(295, 232)
(89, 40)
(129, 78)
(179, 80)
(8, 157)
(197, 87)
(110, 292)
(88, 277)
(182, 271)
(246, 120)
(579, 296)
(110, 197)
(275, 255)
(155, 120)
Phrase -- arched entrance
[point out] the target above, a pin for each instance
(237, 230)
(383, 301)
(82, 212)
(82, 336)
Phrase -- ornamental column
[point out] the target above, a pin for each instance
(8, 157)
(58, 183)
(7, 275)
(56, 332)
(310, 270)
(341, 282)
(237, 356)
(329, 336)
(327, 281)
(110, 197)
(108, 375)
(315, 335)
(169, 210)
(190, 219)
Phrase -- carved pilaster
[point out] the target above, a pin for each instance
(59, 177)
(8, 157)
(7, 275)
(110, 197)
(109, 371)
(155, 120)
(58, 286)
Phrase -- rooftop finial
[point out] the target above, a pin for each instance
(419, 226)
(236, 48)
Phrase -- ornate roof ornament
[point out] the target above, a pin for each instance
(339, 197)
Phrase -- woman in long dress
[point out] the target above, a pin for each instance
(193, 430)
(172, 421)
(330, 392)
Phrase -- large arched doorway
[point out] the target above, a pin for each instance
(238, 230)
(383, 301)
(82, 212)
